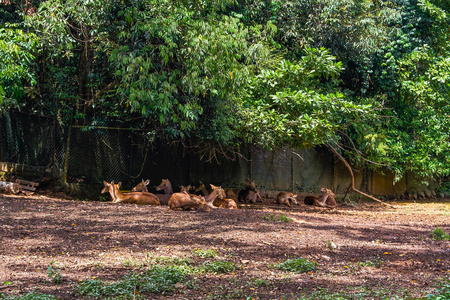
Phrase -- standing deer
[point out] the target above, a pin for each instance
(326, 199)
(133, 197)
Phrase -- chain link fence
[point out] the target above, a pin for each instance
(77, 154)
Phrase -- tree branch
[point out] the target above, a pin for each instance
(352, 184)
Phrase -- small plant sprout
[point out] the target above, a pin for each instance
(331, 245)
(439, 234)
(53, 274)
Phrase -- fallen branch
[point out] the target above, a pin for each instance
(352, 184)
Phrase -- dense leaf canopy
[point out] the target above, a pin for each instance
(370, 76)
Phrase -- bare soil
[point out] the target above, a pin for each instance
(364, 250)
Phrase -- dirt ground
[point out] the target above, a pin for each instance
(366, 249)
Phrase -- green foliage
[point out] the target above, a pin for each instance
(371, 263)
(54, 273)
(299, 265)
(439, 234)
(29, 296)
(208, 253)
(16, 65)
(155, 280)
(299, 104)
(279, 218)
(370, 75)
(442, 292)
(219, 266)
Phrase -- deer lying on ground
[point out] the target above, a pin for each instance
(133, 197)
(286, 198)
(185, 188)
(250, 193)
(230, 194)
(216, 193)
(184, 201)
(165, 186)
(142, 186)
(227, 203)
(326, 199)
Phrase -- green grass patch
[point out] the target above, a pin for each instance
(29, 296)
(439, 234)
(442, 292)
(279, 218)
(209, 253)
(299, 265)
(157, 280)
(371, 263)
(219, 266)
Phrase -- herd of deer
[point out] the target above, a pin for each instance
(215, 197)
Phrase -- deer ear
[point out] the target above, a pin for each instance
(146, 182)
(119, 184)
(105, 183)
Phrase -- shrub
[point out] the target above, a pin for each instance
(439, 234)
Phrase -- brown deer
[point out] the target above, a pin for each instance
(217, 192)
(326, 199)
(230, 194)
(286, 198)
(165, 186)
(141, 187)
(202, 188)
(250, 193)
(133, 197)
(222, 199)
(184, 201)
(185, 188)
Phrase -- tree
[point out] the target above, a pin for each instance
(16, 65)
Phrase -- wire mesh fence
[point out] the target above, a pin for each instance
(31, 140)
(92, 155)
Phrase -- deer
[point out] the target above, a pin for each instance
(142, 186)
(230, 194)
(286, 198)
(117, 196)
(185, 188)
(202, 188)
(326, 199)
(165, 186)
(184, 201)
(216, 193)
(250, 193)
